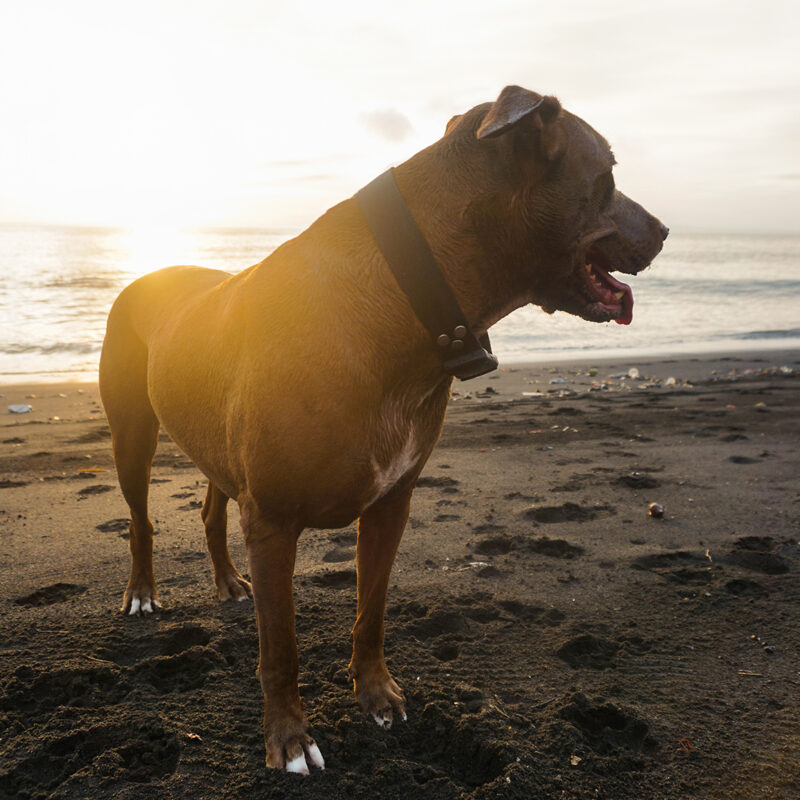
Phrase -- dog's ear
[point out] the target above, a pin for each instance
(453, 122)
(516, 104)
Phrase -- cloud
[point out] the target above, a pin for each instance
(388, 123)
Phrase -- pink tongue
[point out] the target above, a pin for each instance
(626, 299)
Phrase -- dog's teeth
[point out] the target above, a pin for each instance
(619, 295)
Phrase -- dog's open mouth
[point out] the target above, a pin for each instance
(608, 298)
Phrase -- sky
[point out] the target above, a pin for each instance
(252, 113)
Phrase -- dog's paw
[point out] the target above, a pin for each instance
(138, 602)
(296, 755)
(233, 586)
(385, 718)
(379, 696)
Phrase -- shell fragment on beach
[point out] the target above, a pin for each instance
(656, 510)
(20, 409)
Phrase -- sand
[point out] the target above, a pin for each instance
(554, 640)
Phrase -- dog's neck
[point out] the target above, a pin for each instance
(436, 198)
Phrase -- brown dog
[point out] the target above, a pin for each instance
(306, 388)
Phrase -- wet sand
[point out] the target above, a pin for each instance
(553, 639)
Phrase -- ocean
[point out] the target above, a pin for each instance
(704, 293)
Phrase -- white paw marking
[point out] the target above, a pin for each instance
(298, 765)
(383, 719)
(139, 606)
(316, 757)
(405, 717)
(241, 598)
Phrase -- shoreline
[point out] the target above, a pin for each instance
(12, 381)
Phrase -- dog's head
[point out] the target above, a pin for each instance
(548, 212)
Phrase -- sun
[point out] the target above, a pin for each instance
(147, 247)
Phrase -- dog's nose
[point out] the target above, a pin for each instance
(664, 230)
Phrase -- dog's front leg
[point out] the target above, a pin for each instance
(271, 550)
(380, 529)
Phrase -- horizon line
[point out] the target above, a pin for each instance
(288, 230)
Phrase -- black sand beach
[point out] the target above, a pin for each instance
(553, 639)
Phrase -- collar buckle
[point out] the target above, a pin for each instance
(471, 365)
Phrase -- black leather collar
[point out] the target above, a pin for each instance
(415, 268)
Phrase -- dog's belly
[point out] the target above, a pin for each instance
(334, 497)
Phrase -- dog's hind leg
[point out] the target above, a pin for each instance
(230, 584)
(134, 436)
(380, 529)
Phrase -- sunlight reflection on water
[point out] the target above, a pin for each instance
(57, 285)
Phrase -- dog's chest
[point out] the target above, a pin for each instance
(387, 475)
(396, 453)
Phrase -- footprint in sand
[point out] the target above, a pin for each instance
(184, 671)
(588, 650)
(473, 755)
(343, 539)
(567, 512)
(335, 579)
(137, 744)
(96, 488)
(759, 554)
(120, 526)
(678, 566)
(741, 587)
(446, 651)
(637, 480)
(555, 548)
(443, 482)
(339, 554)
(495, 546)
(49, 595)
(440, 622)
(95, 435)
(606, 727)
(7, 483)
(39, 690)
(530, 613)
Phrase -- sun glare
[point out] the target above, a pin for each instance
(151, 247)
